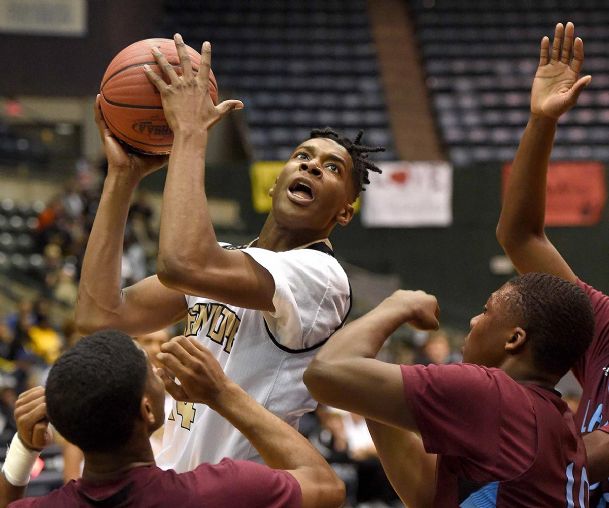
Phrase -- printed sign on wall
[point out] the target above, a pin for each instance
(409, 194)
(576, 192)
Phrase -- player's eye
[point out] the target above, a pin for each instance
(303, 156)
(332, 167)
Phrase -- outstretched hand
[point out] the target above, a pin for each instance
(557, 85)
(31, 418)
(119, 157)
(201, 378)
(186, 100)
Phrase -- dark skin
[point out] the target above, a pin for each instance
(520, 230)
(33, 430)
(190, 261)
(346, 374)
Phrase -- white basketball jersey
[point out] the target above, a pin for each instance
(265, 353)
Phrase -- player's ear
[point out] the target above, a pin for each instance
(272, 189)
(345, 214)
(146, 411)
(516, 341)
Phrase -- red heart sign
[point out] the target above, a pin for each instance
(400, 177)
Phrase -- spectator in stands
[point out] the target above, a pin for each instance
(107, 380)
(437, 350)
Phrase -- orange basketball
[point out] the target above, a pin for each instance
(131, 105)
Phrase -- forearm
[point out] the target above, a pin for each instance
(409, 468)
(99, 295)
(9, 492)
(364, 337)
(279, 445)
(187, 235)
(523, 211)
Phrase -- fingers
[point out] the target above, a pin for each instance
(227, 106)
(165, 66)
(179, 347)
(99, 119)
(31, 412)
(567, 43)
(205, 66)
(170, 361)
(155, 79)
(544, 55)
(175, 390)
(578, 55)
(41, 435)
(577, 88)
(183, 55)
(556, 43)
(29, 395)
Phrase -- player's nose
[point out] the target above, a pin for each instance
(310, 167)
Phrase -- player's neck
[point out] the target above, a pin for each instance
(277, 238)
(103, 467)
(524, 372)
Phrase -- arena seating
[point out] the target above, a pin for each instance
(480, 58)
(296, 65)
(18, 223)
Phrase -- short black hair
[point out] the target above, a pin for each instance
(94, 390)
(359, 154)
(557, 317)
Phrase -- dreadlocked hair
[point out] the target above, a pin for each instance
(359, 154)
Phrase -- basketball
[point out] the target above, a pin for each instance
(131, 105)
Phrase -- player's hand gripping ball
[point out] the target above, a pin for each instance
(131, 105)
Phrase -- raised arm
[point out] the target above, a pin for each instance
(190, 259)
(147, 305)
(345, 373)
(556, 86)
(280, 446)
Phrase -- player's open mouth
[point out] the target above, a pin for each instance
(300, 191)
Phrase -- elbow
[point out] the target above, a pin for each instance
(171, 271)
(316, 378)
(337, 492)
(501, 234)
(85, 319)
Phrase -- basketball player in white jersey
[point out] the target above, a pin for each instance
(262, 309)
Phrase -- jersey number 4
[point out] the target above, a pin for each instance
(187, 411)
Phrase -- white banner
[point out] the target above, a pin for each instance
(409, 194)
(44, 17)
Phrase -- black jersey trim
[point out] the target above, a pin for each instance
(319, 344)
(320, 247)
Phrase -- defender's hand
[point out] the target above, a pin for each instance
(31, 418)
(557, 85)
(200, 375)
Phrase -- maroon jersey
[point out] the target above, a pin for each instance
(591, 372)
(227, 484)
(500, 443)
